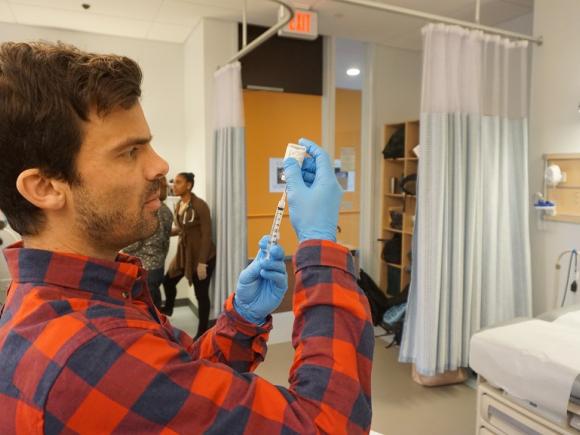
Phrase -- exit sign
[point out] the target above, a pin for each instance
(304, 25)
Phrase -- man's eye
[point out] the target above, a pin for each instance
(133, 152)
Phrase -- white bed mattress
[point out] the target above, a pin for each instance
(533, 360)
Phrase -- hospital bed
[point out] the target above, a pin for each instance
(529, 375)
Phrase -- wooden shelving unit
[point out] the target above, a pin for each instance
(398, 168)
(566, 195)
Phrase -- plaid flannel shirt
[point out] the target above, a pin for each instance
(83, 350)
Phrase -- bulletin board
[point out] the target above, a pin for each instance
(566, 195)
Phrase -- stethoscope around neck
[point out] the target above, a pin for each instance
(184, 219)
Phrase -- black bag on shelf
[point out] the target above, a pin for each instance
(395, 147)
(378, 302)
(392, 250)
(393, 281)
(396, 219)
(409, 184)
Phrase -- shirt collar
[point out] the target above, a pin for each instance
(121, 279)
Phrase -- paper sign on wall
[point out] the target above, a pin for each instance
(276, 171)
(348, 159)
(276, 184)
(345, 178)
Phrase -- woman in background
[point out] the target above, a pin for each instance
(195, 257)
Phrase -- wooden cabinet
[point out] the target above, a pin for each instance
(566, 195)
(394, 201)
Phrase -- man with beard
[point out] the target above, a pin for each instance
(82, 347)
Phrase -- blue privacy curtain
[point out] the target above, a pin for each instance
(471, 250)
(229, 184)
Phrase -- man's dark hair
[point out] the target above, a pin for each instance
(189, 177)
(46, 91)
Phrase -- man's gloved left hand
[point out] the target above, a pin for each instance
(262, 285)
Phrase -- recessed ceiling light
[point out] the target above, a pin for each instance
(353, 72)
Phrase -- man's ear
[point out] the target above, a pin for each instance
(41, 191)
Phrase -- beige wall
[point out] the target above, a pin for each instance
(396, 94)
(554, 128)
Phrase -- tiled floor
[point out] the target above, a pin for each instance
(184, 319)
(400, 407)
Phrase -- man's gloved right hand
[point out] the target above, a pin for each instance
(262, 285)
(314, 194)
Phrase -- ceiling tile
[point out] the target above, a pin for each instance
(493, 12)
(169, 32)
(527, 3)
(47, 17)
(225, 4)
(378, 25)
(187, 13)
(134, 9)
(171, 19)
(6, 13)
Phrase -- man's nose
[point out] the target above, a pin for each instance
(157, 166)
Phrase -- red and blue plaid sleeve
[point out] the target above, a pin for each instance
(232, 341)
(130, 380)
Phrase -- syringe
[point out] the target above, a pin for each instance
(275, 231)
(298, 152)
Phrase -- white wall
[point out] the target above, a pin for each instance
(523, 24)
(211, 44)
(396, 93)
(554, 128)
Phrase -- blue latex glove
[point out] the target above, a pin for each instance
(262, 285)
(314, 194)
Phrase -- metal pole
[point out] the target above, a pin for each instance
(439, 18)
(477, 11)
(267, 34)
(245, 24)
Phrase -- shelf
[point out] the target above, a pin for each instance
(397, 199)
(564, 218)
(402, 159)
(400, 195)
(562, 156)
(398, 266)
(565, 195)
(392, 230)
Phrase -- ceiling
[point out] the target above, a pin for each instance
(173, 20)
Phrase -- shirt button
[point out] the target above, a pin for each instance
(125, 295)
